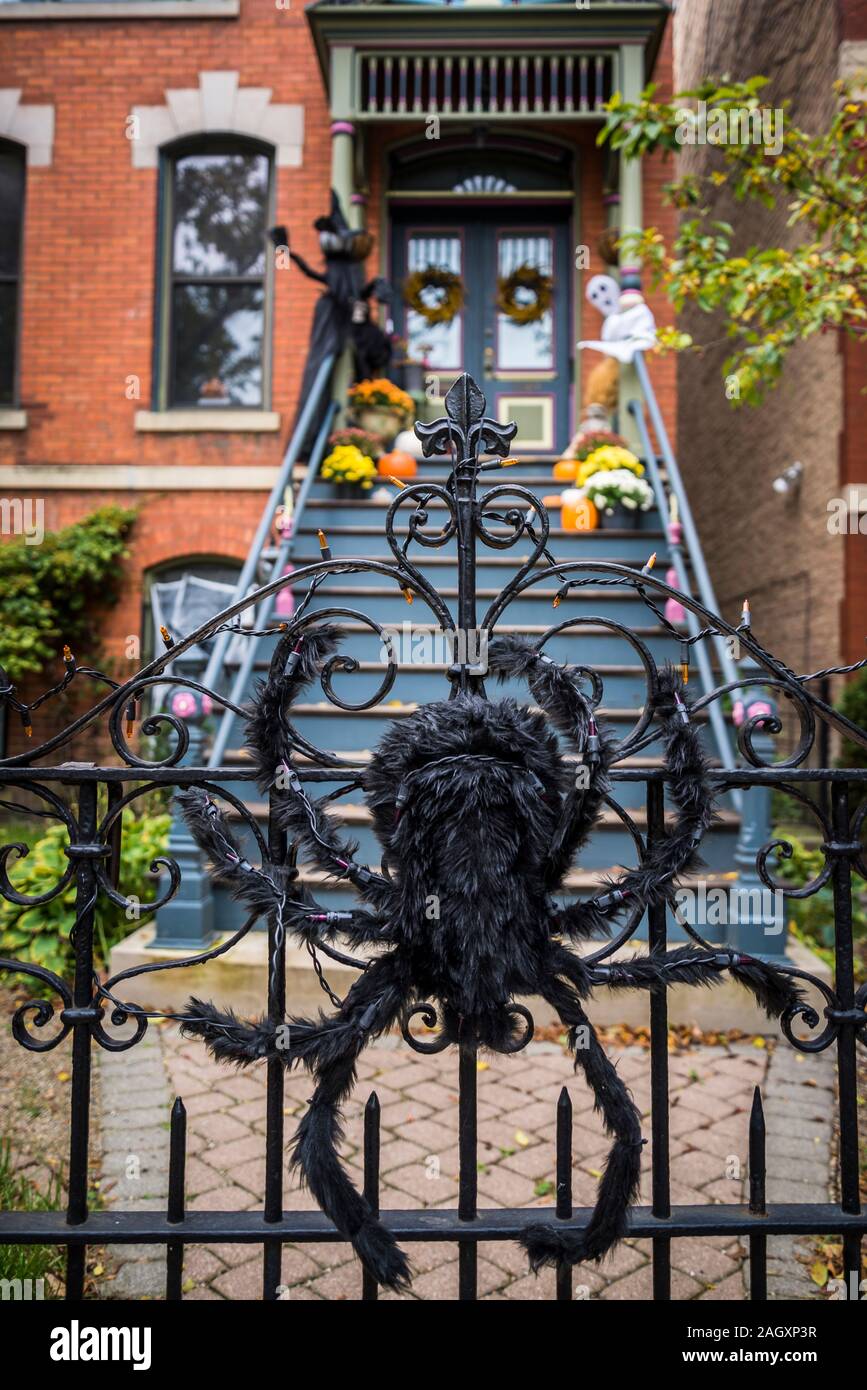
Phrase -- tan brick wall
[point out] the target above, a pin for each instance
(758, 543)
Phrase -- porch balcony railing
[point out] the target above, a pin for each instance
(489, 84)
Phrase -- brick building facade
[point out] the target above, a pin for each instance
(94, 96)
(807, 587)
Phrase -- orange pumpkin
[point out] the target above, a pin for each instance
(578, 514)
(566, 469)
(398, 463)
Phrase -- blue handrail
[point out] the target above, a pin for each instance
(281, 558)
(212, 679)
(693, 548)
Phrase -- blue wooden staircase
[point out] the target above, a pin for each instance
(355, 529)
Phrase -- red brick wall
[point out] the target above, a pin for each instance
(91, 221)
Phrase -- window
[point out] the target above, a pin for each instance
(12, 166)
(181, 595)
(215, 282)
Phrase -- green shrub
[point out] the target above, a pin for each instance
(853, 703)
(40, 935)
(813, 917)
(50, 592)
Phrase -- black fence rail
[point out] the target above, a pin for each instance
(91, 1007)
(83, 1009)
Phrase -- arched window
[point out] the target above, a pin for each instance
(181, 594)
(12, 173)
(216, 203)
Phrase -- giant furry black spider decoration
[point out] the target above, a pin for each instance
(474, 805)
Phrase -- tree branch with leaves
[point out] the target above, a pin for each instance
(769, 298)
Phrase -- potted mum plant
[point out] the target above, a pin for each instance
(368, 443)
(607, 458)
(619, 496)
(352, 472)
(380, 407)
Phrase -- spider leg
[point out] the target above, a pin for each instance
(550, 1244)
(307, 823)
(676, 851)
(371, 1006)
(270, 889)
(329, 1047)
(297, 661)
(312, 922)
(773, 988)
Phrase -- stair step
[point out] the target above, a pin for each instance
(352, 813)
(556, 533)
(440, 668)
(543, 477)
(370, 504)
(389, 591)
(402, 710)
(483, 561)
(360, 757)
(527, 629)
(577, 881)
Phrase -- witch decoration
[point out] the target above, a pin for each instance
(342, 313)
(477, 807)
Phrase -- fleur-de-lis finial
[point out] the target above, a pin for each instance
(466, 427)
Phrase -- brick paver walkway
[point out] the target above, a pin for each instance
(711, 1093)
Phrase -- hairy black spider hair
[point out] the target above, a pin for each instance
(477, 809)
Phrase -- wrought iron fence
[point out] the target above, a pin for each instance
(70, 793)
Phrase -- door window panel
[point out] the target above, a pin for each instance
(525, 346)
(438, 344)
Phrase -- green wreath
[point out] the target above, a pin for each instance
(434, 278)
(525, 277)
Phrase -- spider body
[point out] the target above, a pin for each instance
(480, 817)
(464, 797)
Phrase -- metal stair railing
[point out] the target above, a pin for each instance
(278, 557)
(692, 545)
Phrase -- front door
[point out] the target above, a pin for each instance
(512, 331)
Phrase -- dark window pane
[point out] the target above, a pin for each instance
(8, 324)
(218, 345)
(220, 214)
(11, 208)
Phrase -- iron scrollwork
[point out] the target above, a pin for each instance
(497, 518)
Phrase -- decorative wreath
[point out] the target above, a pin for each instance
(525, 277)
(451, 289)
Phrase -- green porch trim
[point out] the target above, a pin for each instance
(607, 24)
(626, 35)
(631, 83)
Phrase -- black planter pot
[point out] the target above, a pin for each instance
(619, 519)
(348, 490)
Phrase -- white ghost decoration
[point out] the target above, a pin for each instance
(603, 292)
(629, 325)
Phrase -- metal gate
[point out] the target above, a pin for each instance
(92, 1010)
